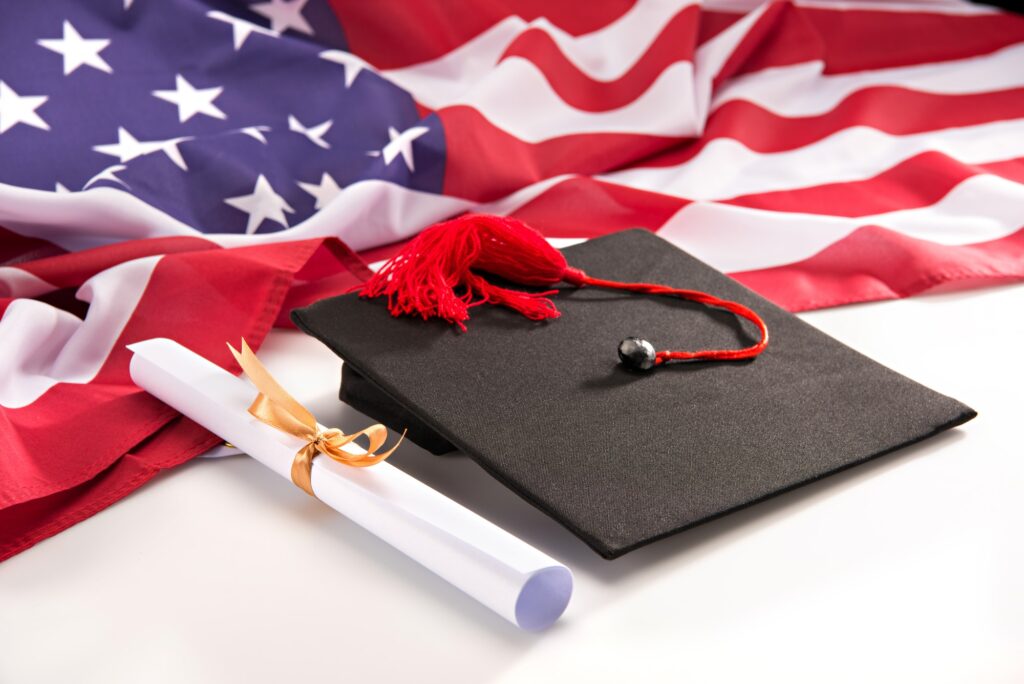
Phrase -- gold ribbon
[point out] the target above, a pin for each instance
(278, 409)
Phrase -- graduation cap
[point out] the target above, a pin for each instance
(621, 458)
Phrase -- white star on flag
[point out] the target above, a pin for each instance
(107, 174)
(315, 134)
(353, 65)
(16, 109)
(127, 148)
(401, 144)
(326, 191)
(262, 204)
(284, 15)
(256, 132)
(240, 28)
(78, 51)
(191, 100)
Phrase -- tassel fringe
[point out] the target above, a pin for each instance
(434, 276)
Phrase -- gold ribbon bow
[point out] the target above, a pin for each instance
(278, 409)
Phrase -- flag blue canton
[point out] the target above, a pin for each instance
(231, 117)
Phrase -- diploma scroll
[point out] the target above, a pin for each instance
(519, 582)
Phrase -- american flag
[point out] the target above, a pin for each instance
(186, 168)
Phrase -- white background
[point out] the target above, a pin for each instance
(907, 569)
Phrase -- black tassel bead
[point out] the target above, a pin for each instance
(636, 354)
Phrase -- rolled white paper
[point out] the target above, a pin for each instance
(520, 583)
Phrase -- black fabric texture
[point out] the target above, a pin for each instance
(362, 395)
(620, 458)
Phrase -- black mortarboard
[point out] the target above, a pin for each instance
(620, 458)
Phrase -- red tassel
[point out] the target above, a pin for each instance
(433, 277)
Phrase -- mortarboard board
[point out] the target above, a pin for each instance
(620, 458)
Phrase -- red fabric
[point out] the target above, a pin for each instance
(23, 525)
(484, 162)
(889, 253)
(81, 446)
(380, 31)
(16, 248)
(675, 43)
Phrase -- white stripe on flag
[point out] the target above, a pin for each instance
(725, 168)
(518, 98)
(733, 238)
(803, 90)
(44, 346)
(365, 214)
(603, 55)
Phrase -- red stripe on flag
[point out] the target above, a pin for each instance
(16, 249)
(391, 34)
(857, 39)
(780, 37)
(890, 109)
(873, 264)
(675, 43)
(585, 207)
(713, 22)
(26, 524)
(919, 181)
(484, 162)
(201, 299)
(74, 268)
(893, 110)
(849, 40)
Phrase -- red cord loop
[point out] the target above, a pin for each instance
(580, 279)
(437, 275)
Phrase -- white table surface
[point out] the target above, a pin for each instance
(907, 569)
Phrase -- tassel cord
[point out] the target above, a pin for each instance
(578, 278)
(438, 275)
